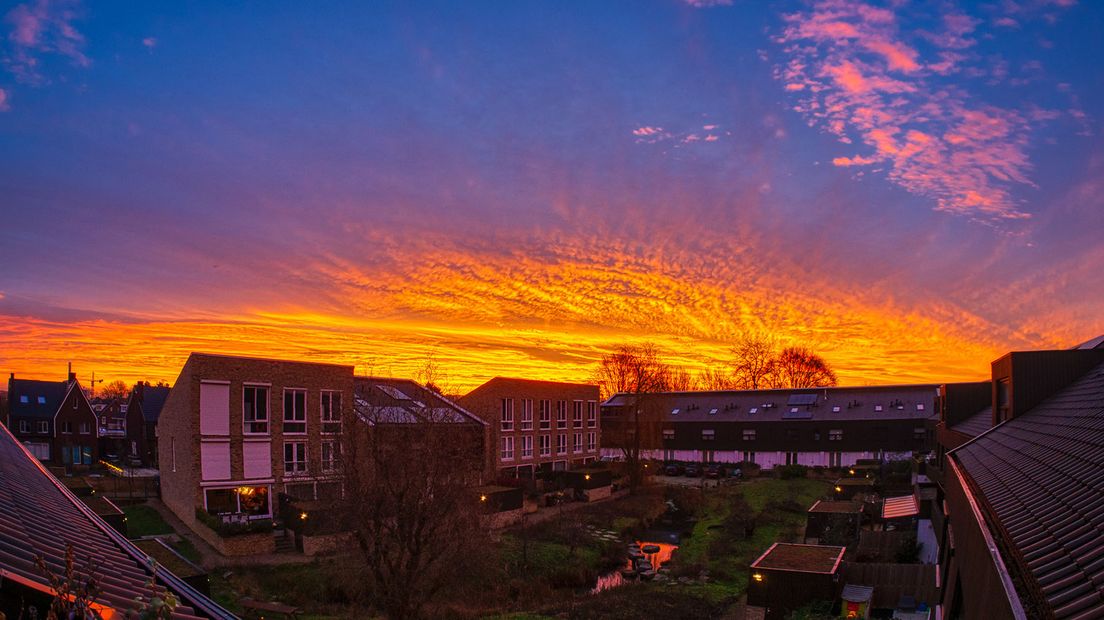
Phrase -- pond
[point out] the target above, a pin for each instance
(654, 552)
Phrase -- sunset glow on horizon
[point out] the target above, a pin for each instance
(515, 190)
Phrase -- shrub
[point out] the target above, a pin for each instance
(789, 472)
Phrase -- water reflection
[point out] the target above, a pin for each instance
(656, 558)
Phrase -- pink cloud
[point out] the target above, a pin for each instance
(43, 27)
(856, 75)
(711, 138)
(150, 42)
(704, 4)
(647, 131)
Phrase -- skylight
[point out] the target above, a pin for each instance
(919, 406)
(836, 409)
(753, 410)
(674, 412)
(713, 411)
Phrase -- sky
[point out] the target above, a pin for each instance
(911, 189)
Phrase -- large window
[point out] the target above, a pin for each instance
(255, 409)
(507, 414)
(577, 444)
(749, 434)
(592, 441)
(527, 447)
(507, 453)
(592, 414)
(545, 415)
(526, 414)
(331, 411)
(84, 428)
(295, 412)
(66, 427)
(249, 501)
(561, 444)
(835, 434)
(577, 413)
(545, 445)
(295, 457)
(331, 456)
(561, 414)
(44, 427)
(24, 426)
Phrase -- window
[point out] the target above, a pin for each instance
(675, 411)
(507, 449)
(835, 459)
(708, 434)
(816, 435)
(1003, 399)
(561, 444)
(527, 447)
(255, 409)
(749, 457)
(85, 428)
(577, 414)
(835, 434)
(331, 456)
(791, 458)
(546, 445)
(23, 399)
(877, 407)
(749, 434)
(508, 416)
(668, 433)
(919, 406)
(295, 457)
(527, 416)
(66, 428)
(331, 411)
(713, 411)
(753, 410)
(577, 444)
(42, 400)
(44, 427)
(836, 409)
(24, 426)
(919, 433)
(295, 411)
(545, 415)
(592, 414)
(592, 441)
(561, 414)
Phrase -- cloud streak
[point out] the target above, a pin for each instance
(39, 28)
(859, 76)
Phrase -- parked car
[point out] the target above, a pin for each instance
(673, 469)
(715, 471)
(693, 471)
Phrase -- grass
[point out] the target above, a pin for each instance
(143, 520)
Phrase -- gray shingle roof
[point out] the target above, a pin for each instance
(402, 401)
(975, 424)
(1041, 478)
(39, 518)
(153, 399)
(43, 398)
(825, 404)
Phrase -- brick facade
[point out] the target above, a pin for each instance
(524, 398)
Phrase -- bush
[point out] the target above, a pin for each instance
(789, 472)
(748, 469)
(232, 529)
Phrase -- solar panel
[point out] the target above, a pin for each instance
(797, 415)
(393, 392)
(802, 399)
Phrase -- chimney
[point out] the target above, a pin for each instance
(138, 391)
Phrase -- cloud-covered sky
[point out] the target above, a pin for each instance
(911, 188)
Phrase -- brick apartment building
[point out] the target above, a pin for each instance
(54, 420)
(827, 427)
(235, 433)
(538, 426)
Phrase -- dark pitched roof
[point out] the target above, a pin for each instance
(533, 385)
(836, 507)
(804, 558)
(153, 399)
(39, 517)
(890, 402)
(1040, 480)
(403, 401)
(975, 424)
(43, 398)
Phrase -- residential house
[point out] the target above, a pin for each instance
(1023, 495)
(142, 412)
(538, 426)
(54, 420)
(789, 576)
(826, 427)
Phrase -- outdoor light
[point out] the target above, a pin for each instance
(482, 498)
(757, 576)
(302, 516)
(839, 489)
(851, 471)
(586, 477)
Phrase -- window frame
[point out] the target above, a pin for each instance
(545, 412)
(247, 424)
(506, 448)
(294, 471)
(592, 414)
(561, 443)
(545, 445)
(526, 422)
(835, 434)
(592, 441)
(330, 465)
(294, 422)
(577, 443)
(506, 419)
(561, 414)
(331, 423)
(526, 446)
(577, 414)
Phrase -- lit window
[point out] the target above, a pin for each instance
(295, 411)
(23, 398)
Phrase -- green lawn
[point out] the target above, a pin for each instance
(144, 521)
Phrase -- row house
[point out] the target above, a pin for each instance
(1021, 488)
(143, 409)
(237, 433)
(822, 427)
(538, 426)
(54, 420)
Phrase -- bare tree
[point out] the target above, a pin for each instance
(753, 362)
(637, 374)
(799, 367)
(715, 379)
(115, 389)
(410, 504)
